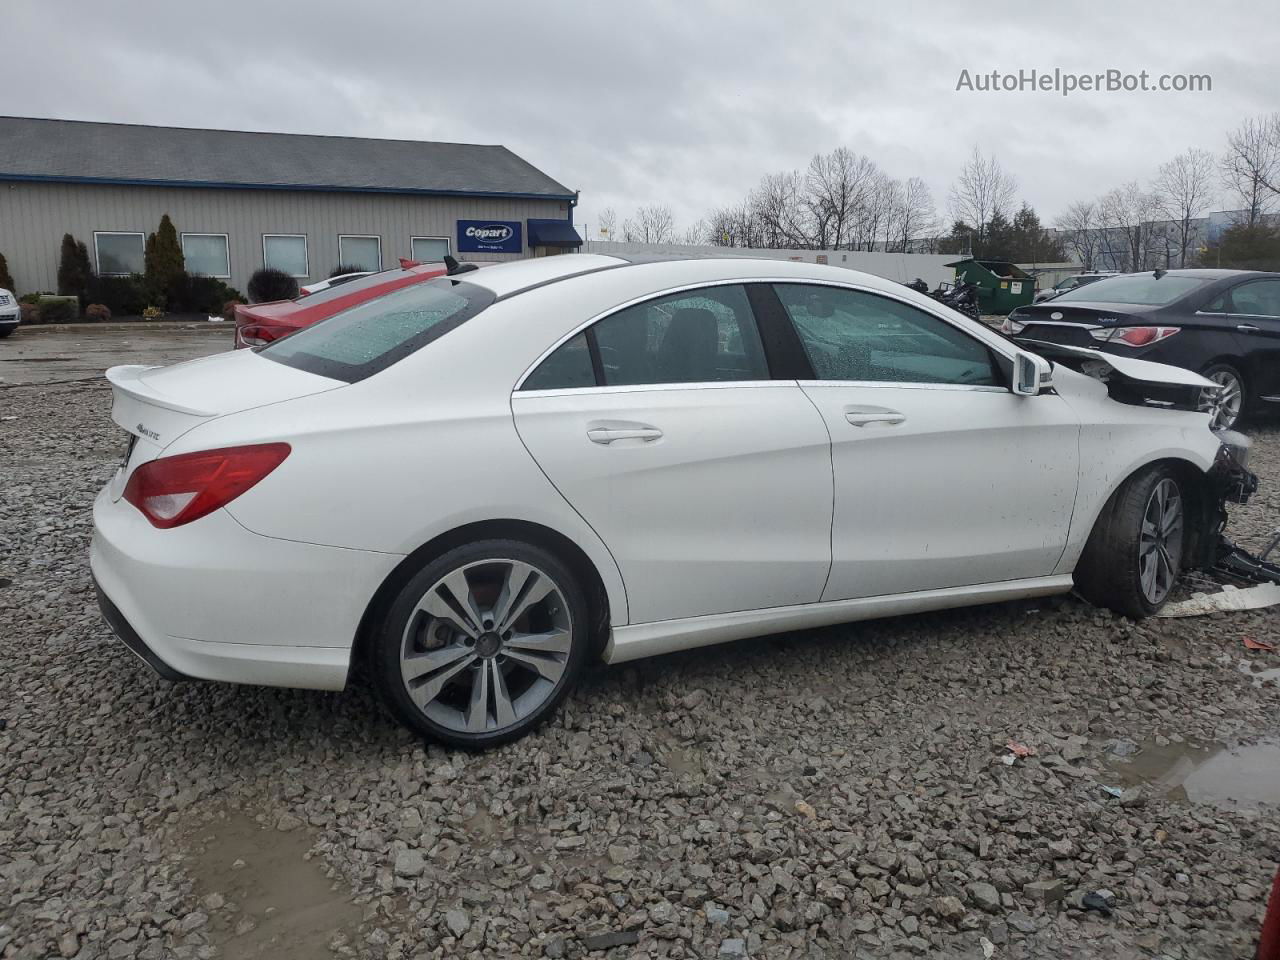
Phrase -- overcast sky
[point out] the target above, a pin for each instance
(682, 103)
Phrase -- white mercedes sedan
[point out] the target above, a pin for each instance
(480, 483)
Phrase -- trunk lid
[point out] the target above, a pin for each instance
(156, 405)
(1070, 323)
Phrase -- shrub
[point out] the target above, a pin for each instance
(33, 297)
(229, 309)
(57, 309)
(73, 269)
(268, 284)
(97, 313)
(6, 278)
(200, 295)
(123, 296)
(342, 268)
(30, 313)
(165, 266)
(152, 313)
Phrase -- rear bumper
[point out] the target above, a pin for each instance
(213, 601)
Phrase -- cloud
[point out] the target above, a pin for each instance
(681, 103)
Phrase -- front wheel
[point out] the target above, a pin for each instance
(1225, 405)
(1134, 555)
(482, 644)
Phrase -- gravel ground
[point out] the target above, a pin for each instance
(833, 793)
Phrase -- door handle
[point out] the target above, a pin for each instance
(861, 416)
(1247, 327)
(607, 435)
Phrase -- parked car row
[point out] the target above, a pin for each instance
(1222, 324)
(479, 482)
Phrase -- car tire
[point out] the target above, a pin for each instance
(1131, 563)
(488, 668)
(1227, 375)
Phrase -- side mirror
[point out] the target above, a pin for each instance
(1031, 374)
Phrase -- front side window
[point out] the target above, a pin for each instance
(428, 249)
(1258, 298)
(286, 252)
(853, 335)
(363, 253)
(207, 254)
(119, 254)
(698, 336)
(370, 337)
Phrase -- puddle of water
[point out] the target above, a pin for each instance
(306, 910)
(1259, 673)
(1244, 776)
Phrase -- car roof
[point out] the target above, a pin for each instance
(517, 276)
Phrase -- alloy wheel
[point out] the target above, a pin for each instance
(1224, 403)
(1160, 542)
(486, 646)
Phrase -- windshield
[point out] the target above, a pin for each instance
(368, 338)
(1136, 288)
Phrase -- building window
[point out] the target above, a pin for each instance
(361, 252)
(286, 252)
(207, 254)
(428, 249)
(119, 254)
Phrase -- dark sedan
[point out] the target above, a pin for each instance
(1224, 324)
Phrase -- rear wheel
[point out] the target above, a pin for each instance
(1226, 405)
(1134, 555)
(482, 644)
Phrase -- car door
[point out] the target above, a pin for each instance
(1255, 311)
(709, 481)
(944, 477)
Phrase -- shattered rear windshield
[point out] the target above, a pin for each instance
(1136, 288)
(370, 337)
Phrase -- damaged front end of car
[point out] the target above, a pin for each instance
(1229, 480)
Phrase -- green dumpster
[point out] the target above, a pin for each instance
(1001, 285)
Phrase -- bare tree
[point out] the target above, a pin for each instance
(982, 190)
(1126, 214)
(608, 223)
(1183, 189)
(836, 186)
(1081, 231)
(915, 218)
(651, 224)
(1251, 166)
(779, 205)
(695, 234)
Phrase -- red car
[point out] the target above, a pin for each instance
(259, 323)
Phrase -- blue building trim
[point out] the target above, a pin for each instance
(570, 198)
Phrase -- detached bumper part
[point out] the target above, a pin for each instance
(130, 638)
(1233, 482)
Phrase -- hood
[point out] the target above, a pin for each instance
(159, 404)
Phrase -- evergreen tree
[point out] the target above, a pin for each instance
(6, 278)
(164, 263)
(74, 272)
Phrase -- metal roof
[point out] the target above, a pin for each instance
(120, 153)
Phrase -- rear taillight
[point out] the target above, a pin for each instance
(260, 334)
(1011, 326)
(1134, 336)
(172, 491)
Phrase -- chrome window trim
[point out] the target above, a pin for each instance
(906, 385)
(987, 337)
(654, 387)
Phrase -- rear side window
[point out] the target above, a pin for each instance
(368, 338)
(1135, 288)
(852, 335)
(696, 336)
(1257, 298)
